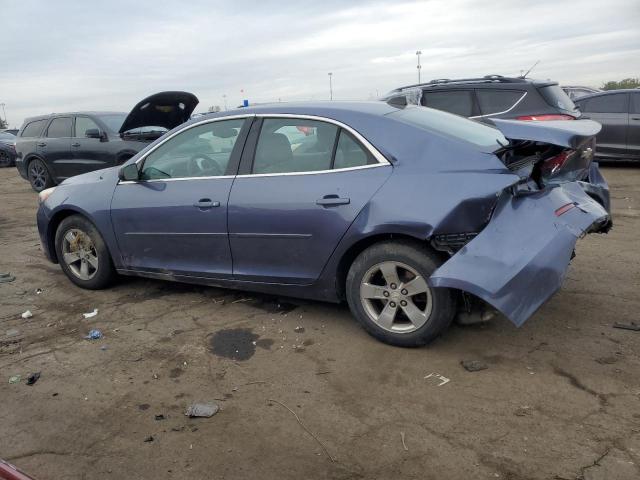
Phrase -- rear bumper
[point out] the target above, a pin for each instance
(520, 259)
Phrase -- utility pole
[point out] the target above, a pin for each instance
(418, 53)
(330, 86)
(4, 115)
(225, 101)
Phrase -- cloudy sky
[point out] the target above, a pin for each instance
(107, 55)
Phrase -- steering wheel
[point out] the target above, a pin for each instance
(201, 163)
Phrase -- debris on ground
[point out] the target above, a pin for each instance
(299, 329)
(91, 314)
(13, 379)
(404, 445)
(12, 332)
(94, 335)
(202, 410)
(160, 417)
(607, 360)
(443, 380)
(6, 278)
(628, 326)
(33, 378)
(474, 365)
(27, 314)
(38, 291)
(523, 411)
(149, 439)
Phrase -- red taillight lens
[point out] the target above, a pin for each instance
(545, 117)
(553, 164)
(564, 209)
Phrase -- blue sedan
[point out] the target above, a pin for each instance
(409, 214)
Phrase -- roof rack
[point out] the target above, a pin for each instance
(446, 81)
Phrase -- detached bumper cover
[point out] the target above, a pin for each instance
(520, 259)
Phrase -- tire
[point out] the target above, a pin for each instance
(39, 176)
(427, 311)
(78, 239)
(5, 159)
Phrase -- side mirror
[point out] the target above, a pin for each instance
(93, 133)
(129, 173)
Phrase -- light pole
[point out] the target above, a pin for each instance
(225, 101)
(330, 86)
(4, 114)
(418, 53)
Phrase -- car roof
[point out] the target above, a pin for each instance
(332, 109)
(488, 81)
(66, 114)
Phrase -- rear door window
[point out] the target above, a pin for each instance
(349, 153)
(615, 103)
(459, 102)
(497, 101)
(288, 145)
(33, 129)
(59, 128)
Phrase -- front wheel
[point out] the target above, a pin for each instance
(388, 293)
(82, 253)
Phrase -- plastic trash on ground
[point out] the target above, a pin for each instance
(202, 410)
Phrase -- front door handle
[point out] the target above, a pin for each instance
(635, 118)
(75, 144)
(206, 204)
(332, 200)
(41, 144)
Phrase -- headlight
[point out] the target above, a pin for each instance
(44, 194)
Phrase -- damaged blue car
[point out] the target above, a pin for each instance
(411, 215)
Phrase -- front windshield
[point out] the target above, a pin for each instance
(452, 125)
(113, 121)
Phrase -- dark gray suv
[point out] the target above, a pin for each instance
(493, 96)
(618, 111)
(53, 147)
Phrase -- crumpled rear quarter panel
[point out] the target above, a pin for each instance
(520, 259)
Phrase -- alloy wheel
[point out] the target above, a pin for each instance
(396, 297)
(38, 174)
(80, 254)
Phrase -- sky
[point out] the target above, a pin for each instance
(107, 55)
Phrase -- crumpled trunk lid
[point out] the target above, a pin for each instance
(521, 257)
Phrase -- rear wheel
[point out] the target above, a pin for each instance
(388, 293)
(5, 161)
(39, 176)
(82, 253)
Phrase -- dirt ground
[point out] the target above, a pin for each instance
(315, 397)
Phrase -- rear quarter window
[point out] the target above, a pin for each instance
(33, 129)
(497, 101)
(459, 102)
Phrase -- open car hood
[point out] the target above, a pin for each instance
(164, 109)
(564, 133)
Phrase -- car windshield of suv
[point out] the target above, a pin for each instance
(113, 121)
(455, 126)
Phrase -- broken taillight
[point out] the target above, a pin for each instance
(545, 117)
(553, 164)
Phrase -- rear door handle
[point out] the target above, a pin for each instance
(635, 118)
(75, 144)
(332, 200)
(206, 204)
(41, 144)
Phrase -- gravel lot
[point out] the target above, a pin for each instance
(315, 397)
